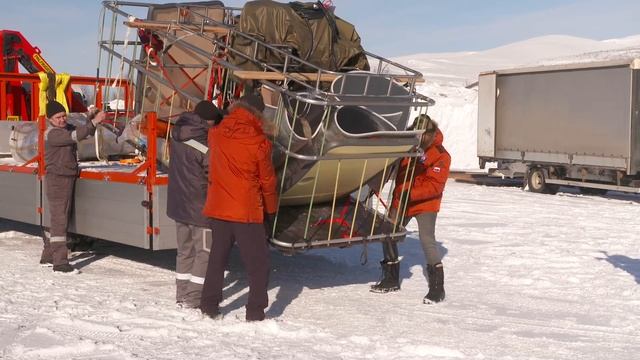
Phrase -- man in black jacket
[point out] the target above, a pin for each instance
(61, 170)
(187, 192)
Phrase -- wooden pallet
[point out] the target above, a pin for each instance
(324, 77)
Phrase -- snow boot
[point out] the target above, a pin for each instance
(60, 257)
(436, 284)
(390, 279)
(252, 316)
(212, 312)
(65, 268)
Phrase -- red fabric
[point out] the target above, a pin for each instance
(430, 177)
(242, 182)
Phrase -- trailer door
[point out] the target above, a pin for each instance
(487, 115)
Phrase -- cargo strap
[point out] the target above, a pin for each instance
(341, 221)
(380, 199)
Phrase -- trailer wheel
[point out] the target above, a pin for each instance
(537, 184)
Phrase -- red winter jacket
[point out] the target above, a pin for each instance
(242, 182)
(430, 177)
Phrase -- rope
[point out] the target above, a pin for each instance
(377, 194)
(96, 141)
(364, 255)
(165, 148)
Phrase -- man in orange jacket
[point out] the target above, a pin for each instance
(241, 193)
(422, 200)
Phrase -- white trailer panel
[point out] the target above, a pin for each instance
(20, 197)
(587, 114)
(166, 237)
(487, 116)
(108, 210)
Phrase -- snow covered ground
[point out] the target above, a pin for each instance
(528, 276)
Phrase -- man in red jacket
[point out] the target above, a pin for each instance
(422, 199)
(241, 193)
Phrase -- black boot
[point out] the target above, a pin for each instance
(436, 284)
(60, 259)
(65, 268)
(390, 277)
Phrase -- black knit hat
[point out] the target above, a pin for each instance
(54, 107)
(253, 100)
(207, 111)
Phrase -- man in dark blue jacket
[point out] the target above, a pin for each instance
(187, 192)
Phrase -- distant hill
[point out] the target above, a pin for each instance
(463, 67)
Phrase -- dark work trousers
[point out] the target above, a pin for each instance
(426, 232)
(191, 263)
(254, 252)
(46, 257)
(59, 191)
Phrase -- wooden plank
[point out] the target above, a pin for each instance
(406, 78)
(326, 77)
(274, 76)
(170, 26)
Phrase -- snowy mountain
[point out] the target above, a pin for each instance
(448, 75)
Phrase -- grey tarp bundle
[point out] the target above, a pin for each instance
(311, 33)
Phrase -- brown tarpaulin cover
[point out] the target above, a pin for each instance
(313, 38)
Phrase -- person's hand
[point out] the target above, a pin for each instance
(100, 116)
(92, 110)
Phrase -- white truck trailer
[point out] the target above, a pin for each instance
(563, 125)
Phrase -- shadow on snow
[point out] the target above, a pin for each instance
(290, 275)
(622, 262)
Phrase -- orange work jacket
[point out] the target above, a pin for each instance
(242, 181)
(430, 177)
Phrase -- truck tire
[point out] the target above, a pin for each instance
(537, 184)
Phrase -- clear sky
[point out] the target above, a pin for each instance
(67, 30)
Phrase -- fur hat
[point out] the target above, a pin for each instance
(424, 122)
(254, 101)
(54, 107)
(207, 111)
